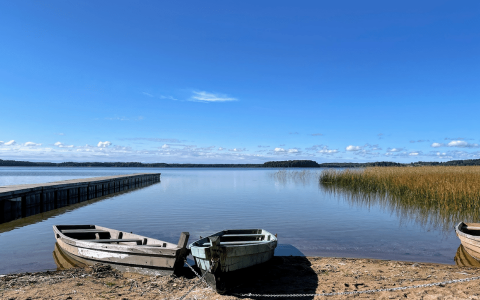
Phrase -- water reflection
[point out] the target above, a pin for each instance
(424, 215)
(8, 226)
(463, 259)
(63, 261)
(303, 177)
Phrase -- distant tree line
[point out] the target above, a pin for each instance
(268, 164)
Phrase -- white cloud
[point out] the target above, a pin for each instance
(353, 148)
(413, 153)
(61, 145)
(325, 150)
(457, 144)
(165, 146)
(210, 97)
(10, 143)
(104, 144)
(147, 94)
(292, 151)
(279, 150)
(461, 144)
(31, 144)
(395, 149)
(436, 145)
(221, 149)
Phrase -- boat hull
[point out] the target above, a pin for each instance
(144, 259)
(469, 239)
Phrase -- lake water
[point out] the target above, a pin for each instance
(308, 219)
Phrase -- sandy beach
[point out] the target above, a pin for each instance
(281, 276)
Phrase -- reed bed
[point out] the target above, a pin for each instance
(435, 195)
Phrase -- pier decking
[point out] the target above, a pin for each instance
(20, 201)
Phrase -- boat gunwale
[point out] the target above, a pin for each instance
(247, 243)
(458, 230)
(118, 248)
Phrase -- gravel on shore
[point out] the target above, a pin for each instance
(282, 275)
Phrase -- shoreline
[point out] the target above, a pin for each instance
(282, 275)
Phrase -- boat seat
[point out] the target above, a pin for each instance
(235, 235)
(112, 240)
(471, 227)
(84, 231)
(238, 243)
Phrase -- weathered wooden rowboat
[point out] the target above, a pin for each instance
(228, 255)
(469, 235)
(124, 251)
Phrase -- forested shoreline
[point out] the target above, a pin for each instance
(268, 164)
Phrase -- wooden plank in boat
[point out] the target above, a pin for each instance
(112, 240)
(472, 226)
(84, 231)
(237, 243)
(235, 235)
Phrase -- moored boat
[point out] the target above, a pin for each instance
(469, 235)
(227, 255)
(124, 251)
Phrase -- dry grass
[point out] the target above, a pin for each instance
(438, 195)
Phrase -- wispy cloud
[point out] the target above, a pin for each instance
(418, 141)
(147, 94)
(293, 132)
(160, 140)
(316, 134)
(237, 149)
(139, 118)
(168, 97)
(455, 143)
(31, 144)
(203, 96)
(462, 144)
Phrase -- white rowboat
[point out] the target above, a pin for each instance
(124, 251)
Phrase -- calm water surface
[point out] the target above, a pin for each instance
(204, 201)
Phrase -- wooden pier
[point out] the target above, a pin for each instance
(20, 201)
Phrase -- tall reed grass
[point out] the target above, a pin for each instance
(438, 195)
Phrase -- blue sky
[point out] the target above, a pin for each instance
(239, 82)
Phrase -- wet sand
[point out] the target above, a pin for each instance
(282, 275)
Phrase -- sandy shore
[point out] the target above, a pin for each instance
(282, 275)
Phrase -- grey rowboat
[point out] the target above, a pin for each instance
(124, 251)
(225, 256)
(469, 235)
